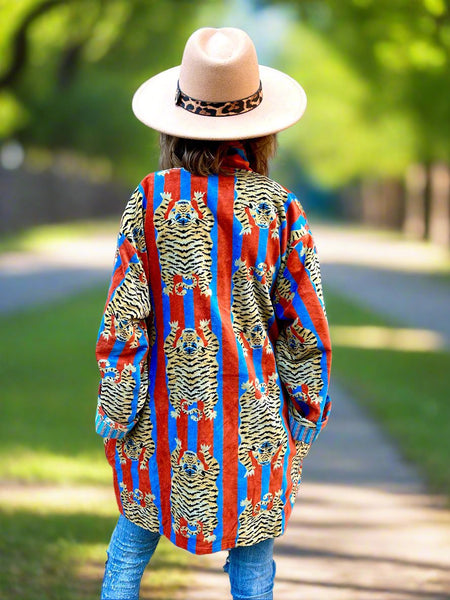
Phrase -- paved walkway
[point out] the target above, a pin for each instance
(34, 278)
(364, 526)
(388, 274)
(360, 265)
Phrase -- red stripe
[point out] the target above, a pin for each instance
(230, 385)
(292, 450)
(127, 477)
(126, 252)
(117, 489)
(294, 211)
(161, 397)
(310, 300)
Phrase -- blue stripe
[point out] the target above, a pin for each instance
(307, 322)
(135, 474)
(144, 197)
(118, 469)
(189, 322)
(188, 307)
(216, 325)
(188, 300)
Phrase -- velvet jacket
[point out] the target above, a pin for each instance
(214, 355)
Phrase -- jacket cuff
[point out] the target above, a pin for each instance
(108, 428)
(303, 430)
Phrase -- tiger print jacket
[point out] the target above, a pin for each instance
(214, 355)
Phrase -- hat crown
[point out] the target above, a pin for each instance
(219, 46)
(219, 65)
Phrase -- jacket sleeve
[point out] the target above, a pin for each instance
(302, 347)
(123, 342)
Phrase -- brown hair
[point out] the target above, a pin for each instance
(205, 157)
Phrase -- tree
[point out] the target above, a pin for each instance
(70, 68)
(378, 77)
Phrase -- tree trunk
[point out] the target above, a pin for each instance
(391, 204)
(415, 221)
(370, 200)
(439, 217)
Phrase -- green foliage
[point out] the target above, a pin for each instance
(84, 60)
(344, 132)
(378, 79)
(377, 74)
(13, 114)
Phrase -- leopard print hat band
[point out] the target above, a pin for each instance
(218, 109)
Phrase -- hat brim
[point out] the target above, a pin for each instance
(283, 104)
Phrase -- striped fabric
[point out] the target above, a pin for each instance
(214, 355)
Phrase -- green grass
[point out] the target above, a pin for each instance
(406, 391)
(49, 381)
(56, 556)
(54, 548)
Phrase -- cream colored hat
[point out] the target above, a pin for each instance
(219, 92)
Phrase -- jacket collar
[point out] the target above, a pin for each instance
(236, 157)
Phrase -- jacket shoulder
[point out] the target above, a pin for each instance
(265, 183)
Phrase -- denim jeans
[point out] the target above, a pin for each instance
(251, 569)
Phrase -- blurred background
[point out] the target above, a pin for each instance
(373, 146)
(370, 161)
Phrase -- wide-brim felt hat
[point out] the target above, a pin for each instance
(219, 92)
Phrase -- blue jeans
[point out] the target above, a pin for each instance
(251, 569)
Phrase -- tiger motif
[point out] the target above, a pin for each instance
(263, 436)
(283, 288)
(184, 243)
(118, 389)
(313, 267)
(255, 204)
(130, 298)
(192, 370)
(299, 362)
(138, 444)
(145, 515)
(261, 520)
(302, 450)
(194, 492)
(151, 330)
(129, 227)
(252, 308)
